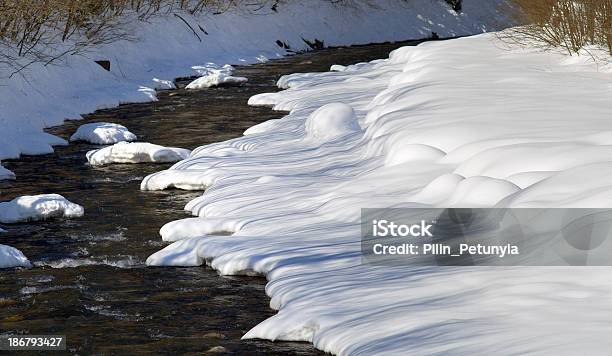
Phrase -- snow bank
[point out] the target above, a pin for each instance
(212, 76)
(5, 173)
(136, 152)
(167, 48)
(464, 122)
(102, 133)
(38, 207)
(12, 257)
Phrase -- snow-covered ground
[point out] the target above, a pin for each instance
(167, 48)
(465, 122)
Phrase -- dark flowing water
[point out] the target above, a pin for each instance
(89, 281)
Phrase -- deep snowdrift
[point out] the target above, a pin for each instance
(167, 48)
(463, 122)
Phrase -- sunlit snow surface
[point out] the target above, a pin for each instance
(464, 122)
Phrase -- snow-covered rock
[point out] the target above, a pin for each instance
(331, 121)
(5, 173)
(102, 133)
(136, 152)
(12, 257)
(337, 68)
(162, 84)
(213, 80)
(464, 122)
(38, 207)
(213, 75)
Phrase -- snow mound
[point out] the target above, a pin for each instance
(399, 154)
(481, 191)
(213, 75)
(5, 173)
(12, 257)
(332, 121)
(38, 207)
(102, 133)
(136, 152)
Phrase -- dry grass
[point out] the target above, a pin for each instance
(571, 24)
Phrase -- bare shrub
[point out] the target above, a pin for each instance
(571, 24)
(44, 31)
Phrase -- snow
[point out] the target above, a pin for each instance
(102, 133)
(213, 75)
(196, 227)
(12, 257)
(332, 121)
(38, 207)
(337, 68)
(162, 84)
(465, 122)
(136, 152)
(213, 80)
(166, 48)
(5, 173)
